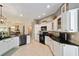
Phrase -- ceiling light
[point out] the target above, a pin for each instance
(48, 6)
(43, 14)
(21, 15)
(6, 5)
(39, 16)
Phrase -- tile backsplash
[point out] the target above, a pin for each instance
(75, 36)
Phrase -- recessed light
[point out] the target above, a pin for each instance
(44, 14)
(21, 15)
(39, 16)
(6, 5)
(48, 6)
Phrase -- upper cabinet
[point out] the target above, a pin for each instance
(64, 7)
(69, 20)
(57, 24)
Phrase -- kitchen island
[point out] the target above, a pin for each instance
(8, 43)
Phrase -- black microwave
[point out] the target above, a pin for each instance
(43, 28)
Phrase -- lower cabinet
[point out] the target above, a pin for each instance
(70, 50)
(60, 49)
(2, 47)
(55, 47)
(7, 44)
(28, 39)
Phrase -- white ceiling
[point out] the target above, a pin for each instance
(30, 10)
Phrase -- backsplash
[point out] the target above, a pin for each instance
(75, 36)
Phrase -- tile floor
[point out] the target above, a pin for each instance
(32, 49)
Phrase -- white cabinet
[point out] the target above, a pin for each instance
(57, 24)
(70, 50)
(64, 22)
(7, 44)
(28, 39)
(49, 26)
(2, 47)
(57, 49)
(70, 22)
(49, 42)
(60, 49)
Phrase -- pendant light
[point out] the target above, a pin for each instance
(2, 18)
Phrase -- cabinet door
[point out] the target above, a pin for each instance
(52, 45)
(49, 26)
(2, 47)
(56, 48)
(47, 40)
(28, 39)
(69, 21)
(72, 19)
(15, 40)
(70, 50)
(64, 22)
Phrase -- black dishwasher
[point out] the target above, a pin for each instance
(23, 40)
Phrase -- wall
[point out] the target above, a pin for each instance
(48, 19)
(73, 5)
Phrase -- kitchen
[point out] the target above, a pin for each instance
(57, 30)
(64, 35)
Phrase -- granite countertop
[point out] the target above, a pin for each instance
(57, 39)
(70, 42)
(4, 38)
(61, 31)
